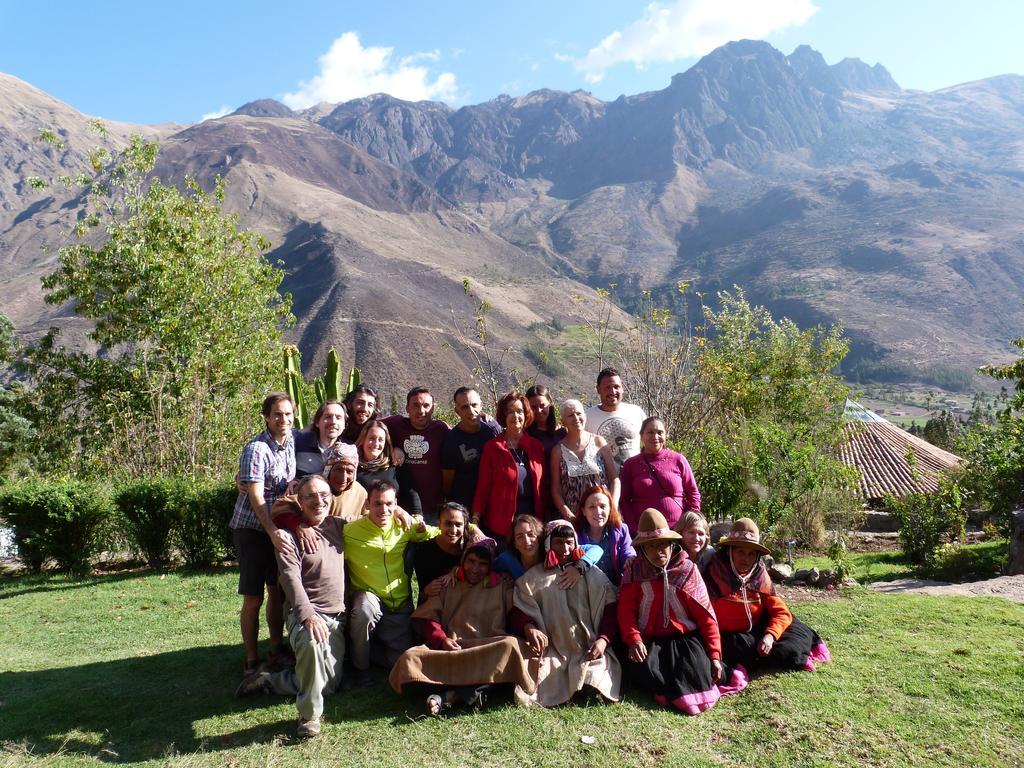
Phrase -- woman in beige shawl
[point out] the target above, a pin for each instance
(467, 647)
(568, 631)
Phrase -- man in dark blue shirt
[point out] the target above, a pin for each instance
(461, 450)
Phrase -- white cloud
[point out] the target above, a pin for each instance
(686, 29)
(349, 71)
(224, 110)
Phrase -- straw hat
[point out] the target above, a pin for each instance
(744, 533)
(653, 529)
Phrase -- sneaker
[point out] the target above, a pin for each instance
(308, 728)
(257, 682)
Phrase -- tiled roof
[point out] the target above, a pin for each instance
(878, 448)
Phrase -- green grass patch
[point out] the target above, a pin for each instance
(868, 567)
(909, 421)
(139, 669)
(970, 562)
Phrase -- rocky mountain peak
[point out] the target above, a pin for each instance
(264, 108)
(855, 75)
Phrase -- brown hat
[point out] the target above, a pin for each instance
(744, 533)
(653, 529)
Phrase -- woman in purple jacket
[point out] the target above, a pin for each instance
(598, 522)
(657, 477)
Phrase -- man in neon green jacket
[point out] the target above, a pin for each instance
(379, 625)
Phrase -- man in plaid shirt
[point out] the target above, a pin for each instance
(266, 468)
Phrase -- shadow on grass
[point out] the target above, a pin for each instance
(144, 708)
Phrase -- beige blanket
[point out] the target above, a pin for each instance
(483, 660)
(570, 618)
(475, 616)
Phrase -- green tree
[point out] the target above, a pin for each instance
(994, 452)
(185, 320)
(779, 403)
(16, 432)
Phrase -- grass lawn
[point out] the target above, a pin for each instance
(975, 561)
(139, 668)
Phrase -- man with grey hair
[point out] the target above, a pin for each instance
(314, 587)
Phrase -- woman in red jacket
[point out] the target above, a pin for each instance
(666, 621)
(511, 475)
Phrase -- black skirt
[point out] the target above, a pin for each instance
(677, 671)
(791, 651)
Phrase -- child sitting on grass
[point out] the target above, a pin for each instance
(757, 628)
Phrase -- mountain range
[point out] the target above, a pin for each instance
(827, 192)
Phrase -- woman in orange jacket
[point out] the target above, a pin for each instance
(757, 628)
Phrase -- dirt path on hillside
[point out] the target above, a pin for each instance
(1010, 587)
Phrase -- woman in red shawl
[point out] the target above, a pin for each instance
(667, 621)
(757, 628)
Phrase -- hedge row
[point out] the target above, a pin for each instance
(72, 522)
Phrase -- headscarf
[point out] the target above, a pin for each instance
(564, 530)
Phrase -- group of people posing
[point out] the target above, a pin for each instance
(546, 557)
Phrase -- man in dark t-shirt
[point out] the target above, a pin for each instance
(420, 437)
(460, 454)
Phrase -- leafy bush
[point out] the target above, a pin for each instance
(721, 473)
(58, 519)
(994, 467)
(150, 508)
(955, 562)
(927, 521)
(203, 514)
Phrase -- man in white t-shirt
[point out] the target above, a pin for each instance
(615, 421)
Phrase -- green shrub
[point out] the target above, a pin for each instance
(956, 562)
(721, 472)
(927, 521)
(202, 533)
(150, 508)
(58, 519)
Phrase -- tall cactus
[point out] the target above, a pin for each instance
(353, 380)
(332, 377)
(294, 384)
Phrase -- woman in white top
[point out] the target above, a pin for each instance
(580, 460)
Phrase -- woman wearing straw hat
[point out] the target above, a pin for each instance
(758, 629)
(667, 622)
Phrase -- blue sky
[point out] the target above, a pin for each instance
(152, 63)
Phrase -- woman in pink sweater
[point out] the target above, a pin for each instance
(657, 478)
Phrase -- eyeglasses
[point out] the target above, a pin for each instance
(324, 496)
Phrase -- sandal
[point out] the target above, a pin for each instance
(437, 704)
(252, 666)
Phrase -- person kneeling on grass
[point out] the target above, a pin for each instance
(568, 631)
(667, 621)
(379, 625)
(757, 628)
(314, 590)
(467, 647)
